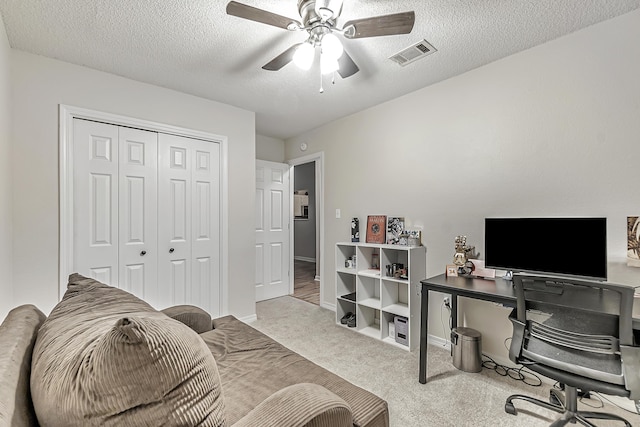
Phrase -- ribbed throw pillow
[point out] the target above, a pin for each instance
(105, 357)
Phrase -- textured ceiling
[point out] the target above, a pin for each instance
(193, 46)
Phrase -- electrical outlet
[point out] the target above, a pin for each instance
(447, 301)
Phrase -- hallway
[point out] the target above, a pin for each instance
(305, 287)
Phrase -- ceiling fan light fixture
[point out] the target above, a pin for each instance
(303, 57)
(328, 9)
(332, 46)
(328, 64)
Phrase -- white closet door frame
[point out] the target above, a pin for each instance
(66, 162)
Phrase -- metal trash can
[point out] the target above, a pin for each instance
(466, 348)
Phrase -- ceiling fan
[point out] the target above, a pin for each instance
(319, 18)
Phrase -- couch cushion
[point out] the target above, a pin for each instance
(17, 335)
(253, 366)
(194, 317)
(105, 357)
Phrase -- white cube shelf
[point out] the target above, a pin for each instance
(376, 298)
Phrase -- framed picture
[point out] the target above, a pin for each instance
(376, 225)
(633, 241)
(355, 230)
(395, 227)
(452, 270)
(414, 237)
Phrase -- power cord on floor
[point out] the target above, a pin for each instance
(527, 377)
(518, 374)
(444, 331)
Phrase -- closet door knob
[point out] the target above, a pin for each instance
(171, 250)
(143, 253)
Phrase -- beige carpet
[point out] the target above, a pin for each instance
(450, 398)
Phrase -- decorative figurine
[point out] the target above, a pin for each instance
(460, 256)
(464, 253)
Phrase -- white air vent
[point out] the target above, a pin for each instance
(413, 53)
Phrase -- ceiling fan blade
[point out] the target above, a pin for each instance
(281, 60)
(347, 67)
(385, 25)
(254, 14)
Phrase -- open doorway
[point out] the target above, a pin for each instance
(306, 284)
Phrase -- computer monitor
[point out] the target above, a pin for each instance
(567, 247)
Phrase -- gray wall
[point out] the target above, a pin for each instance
(6, 202)
(551, 131)
(269, 149)
(305, 229)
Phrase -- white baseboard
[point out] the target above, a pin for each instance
(439, 342)
(303, 258)
(328, 306)
(248, 319)
(317, 278)
(622, 402)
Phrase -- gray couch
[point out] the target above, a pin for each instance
(105, 357)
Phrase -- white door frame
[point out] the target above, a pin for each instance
(66, 162)
(318, 158)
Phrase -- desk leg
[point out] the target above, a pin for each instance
(424, 324)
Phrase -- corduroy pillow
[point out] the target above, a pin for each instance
(105, 357)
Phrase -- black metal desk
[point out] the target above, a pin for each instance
(498, 291)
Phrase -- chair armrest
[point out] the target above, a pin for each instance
(517, 338)
(300, 405)
(192, 316)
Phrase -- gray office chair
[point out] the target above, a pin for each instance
(580, 334)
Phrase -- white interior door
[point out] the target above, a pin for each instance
(273, 228)
(95, 207)
(115, 184)
(138, 218)
(189, 223)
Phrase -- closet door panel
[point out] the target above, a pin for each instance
(95, 207)
(189, 222)
(174, 219)
(138, 254)
(205, 238)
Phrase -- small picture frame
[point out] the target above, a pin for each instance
(355, 230)
(414, 238)
(395, 227)
(376, 227)
(633, 241)
(452, 270)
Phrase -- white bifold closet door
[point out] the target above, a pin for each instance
(146, 213)
(188, 222)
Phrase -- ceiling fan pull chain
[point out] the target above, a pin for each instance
(321, 88)
(333, 78)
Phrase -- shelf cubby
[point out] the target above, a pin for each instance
(368, 292)
(395, 297)
(368, 321)
(345, 284)
(343, 307)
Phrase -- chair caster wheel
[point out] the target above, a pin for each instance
(510, 409)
